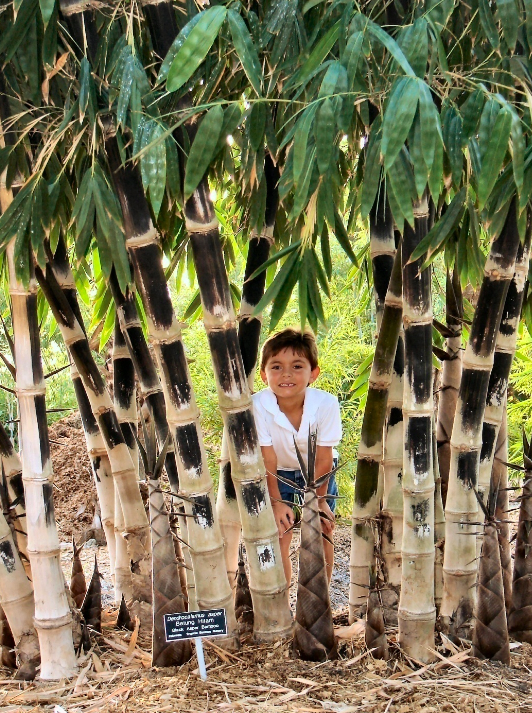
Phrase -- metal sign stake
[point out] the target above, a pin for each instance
(201, 658)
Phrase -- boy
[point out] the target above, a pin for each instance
(286, 410)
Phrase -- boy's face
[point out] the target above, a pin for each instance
(288, 374)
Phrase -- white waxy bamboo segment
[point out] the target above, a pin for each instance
(204, 536)
(101, 468)
(136, 528)
(53, 619)
(267, 580)
(13, 473)
(368, 484)
(502, 364)
(392, 496)
(461, 510)
(450, 377)
(439, 528)
(417, 613)
(16, 599)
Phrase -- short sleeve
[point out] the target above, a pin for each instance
(261, 421)
(329, 423)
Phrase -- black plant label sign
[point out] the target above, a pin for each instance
(194, 624)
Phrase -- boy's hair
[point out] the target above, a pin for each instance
(302, 343)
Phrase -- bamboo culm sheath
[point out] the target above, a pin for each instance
(417, 612)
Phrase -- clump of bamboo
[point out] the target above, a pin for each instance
(461, 510)
(314, 638)
(166, 586)
(520, 617)
(490, 634)
(92, 603)
(243, 601)
(78, 585)
(375, 636)
(368, 484)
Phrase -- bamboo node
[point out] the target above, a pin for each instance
(147, 238)
(56, 623)
(193, 227)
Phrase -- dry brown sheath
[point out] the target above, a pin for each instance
(78, 585)
(178, 549)
(520, 618)
(375, 635)
(123, 620)
(490, 634)
(92, 604)
(7, 643)
(243, 602)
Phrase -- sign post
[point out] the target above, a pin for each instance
(196, 625)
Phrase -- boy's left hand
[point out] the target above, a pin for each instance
(327, 522)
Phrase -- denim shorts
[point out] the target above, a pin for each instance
(295, 496)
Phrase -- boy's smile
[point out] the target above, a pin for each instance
(288, 374)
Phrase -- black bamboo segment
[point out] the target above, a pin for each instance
(243, 601)
(368, 480)
(451, 375)
(499, 483)
(78, 585)
(122, 466)
(92, 603)
(461, 510)
(417, 612)
(51, 615)
(123, 620)
(505, 348)
(490, 633)
(520, 617)
(374, 634)
(12, 468)
(382, 248)
(314, 638)
(203, 533)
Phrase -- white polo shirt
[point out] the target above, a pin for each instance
(321, 412)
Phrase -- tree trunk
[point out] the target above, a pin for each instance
(204, 537)
(368, 485)
(450, 378)
(249, 328)
(417, 613)
(123, 469)
(461, 512)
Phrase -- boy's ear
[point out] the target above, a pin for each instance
(314, 375)
(263, 376)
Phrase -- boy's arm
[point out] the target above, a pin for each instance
(324, 464)
(284, 515)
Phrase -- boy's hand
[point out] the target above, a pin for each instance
(284, 516)
(327, 521)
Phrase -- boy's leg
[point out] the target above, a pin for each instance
(284, 542)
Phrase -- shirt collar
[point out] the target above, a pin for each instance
(309, 409)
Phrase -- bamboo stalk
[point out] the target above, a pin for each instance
(499, 481)
(451, 375)
(461, 511)
(122, 466)
(382, 249)
(204, 537)
(368, 485)
(249, 328)
(439, 527)
(417, 613)
(13, 473)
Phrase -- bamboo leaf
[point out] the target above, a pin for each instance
(430, 125)
(273, 259)
(509, 17)
(325, 133)
(176, 46)
(125, 89)
(155, 158)
(318, 54)
(403, 187)
(195, 47)
(441, 231)
(488, 24)
(414, 43)
(257, 122)
(372, 173)
(285, 292)
(421, 172)
(245, 50)
(518, 151)
(18, 31)
(398, 117)
(278, 282)
(47, 9)
(471, 111)
(203, 148)
(494, 156)
(528, 20)
(84, 86)
(300, 141)
(193, 306)
(352, 55)
(342, 237)
(392, 47)
(108, 327)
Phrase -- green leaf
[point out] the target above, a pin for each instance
(176, 46)
(280, 303)
(245, 50)
(421, 172)
(445, 226)
(318, 54)
(325, 134)
(372, 172)
(494, 156)
(47, 10)
(301, 139)
(273, 290)
(403, 186)
(414, 43)
(518, 151)
(509, 17)
(353, 52)
(195, 47)
(436, 172)
(430, 125)
(125, 89)
(452, 134)
(398, 117)
(528, 21)
(257, 122)
(155, 160)
(193, 306)
(487, 122)
(488, 23)
(84, 86)
(392, 47)
(18, 31)
(203, 148)
(274, 258)
(342, 237)
(471, 110)
(108, 327)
